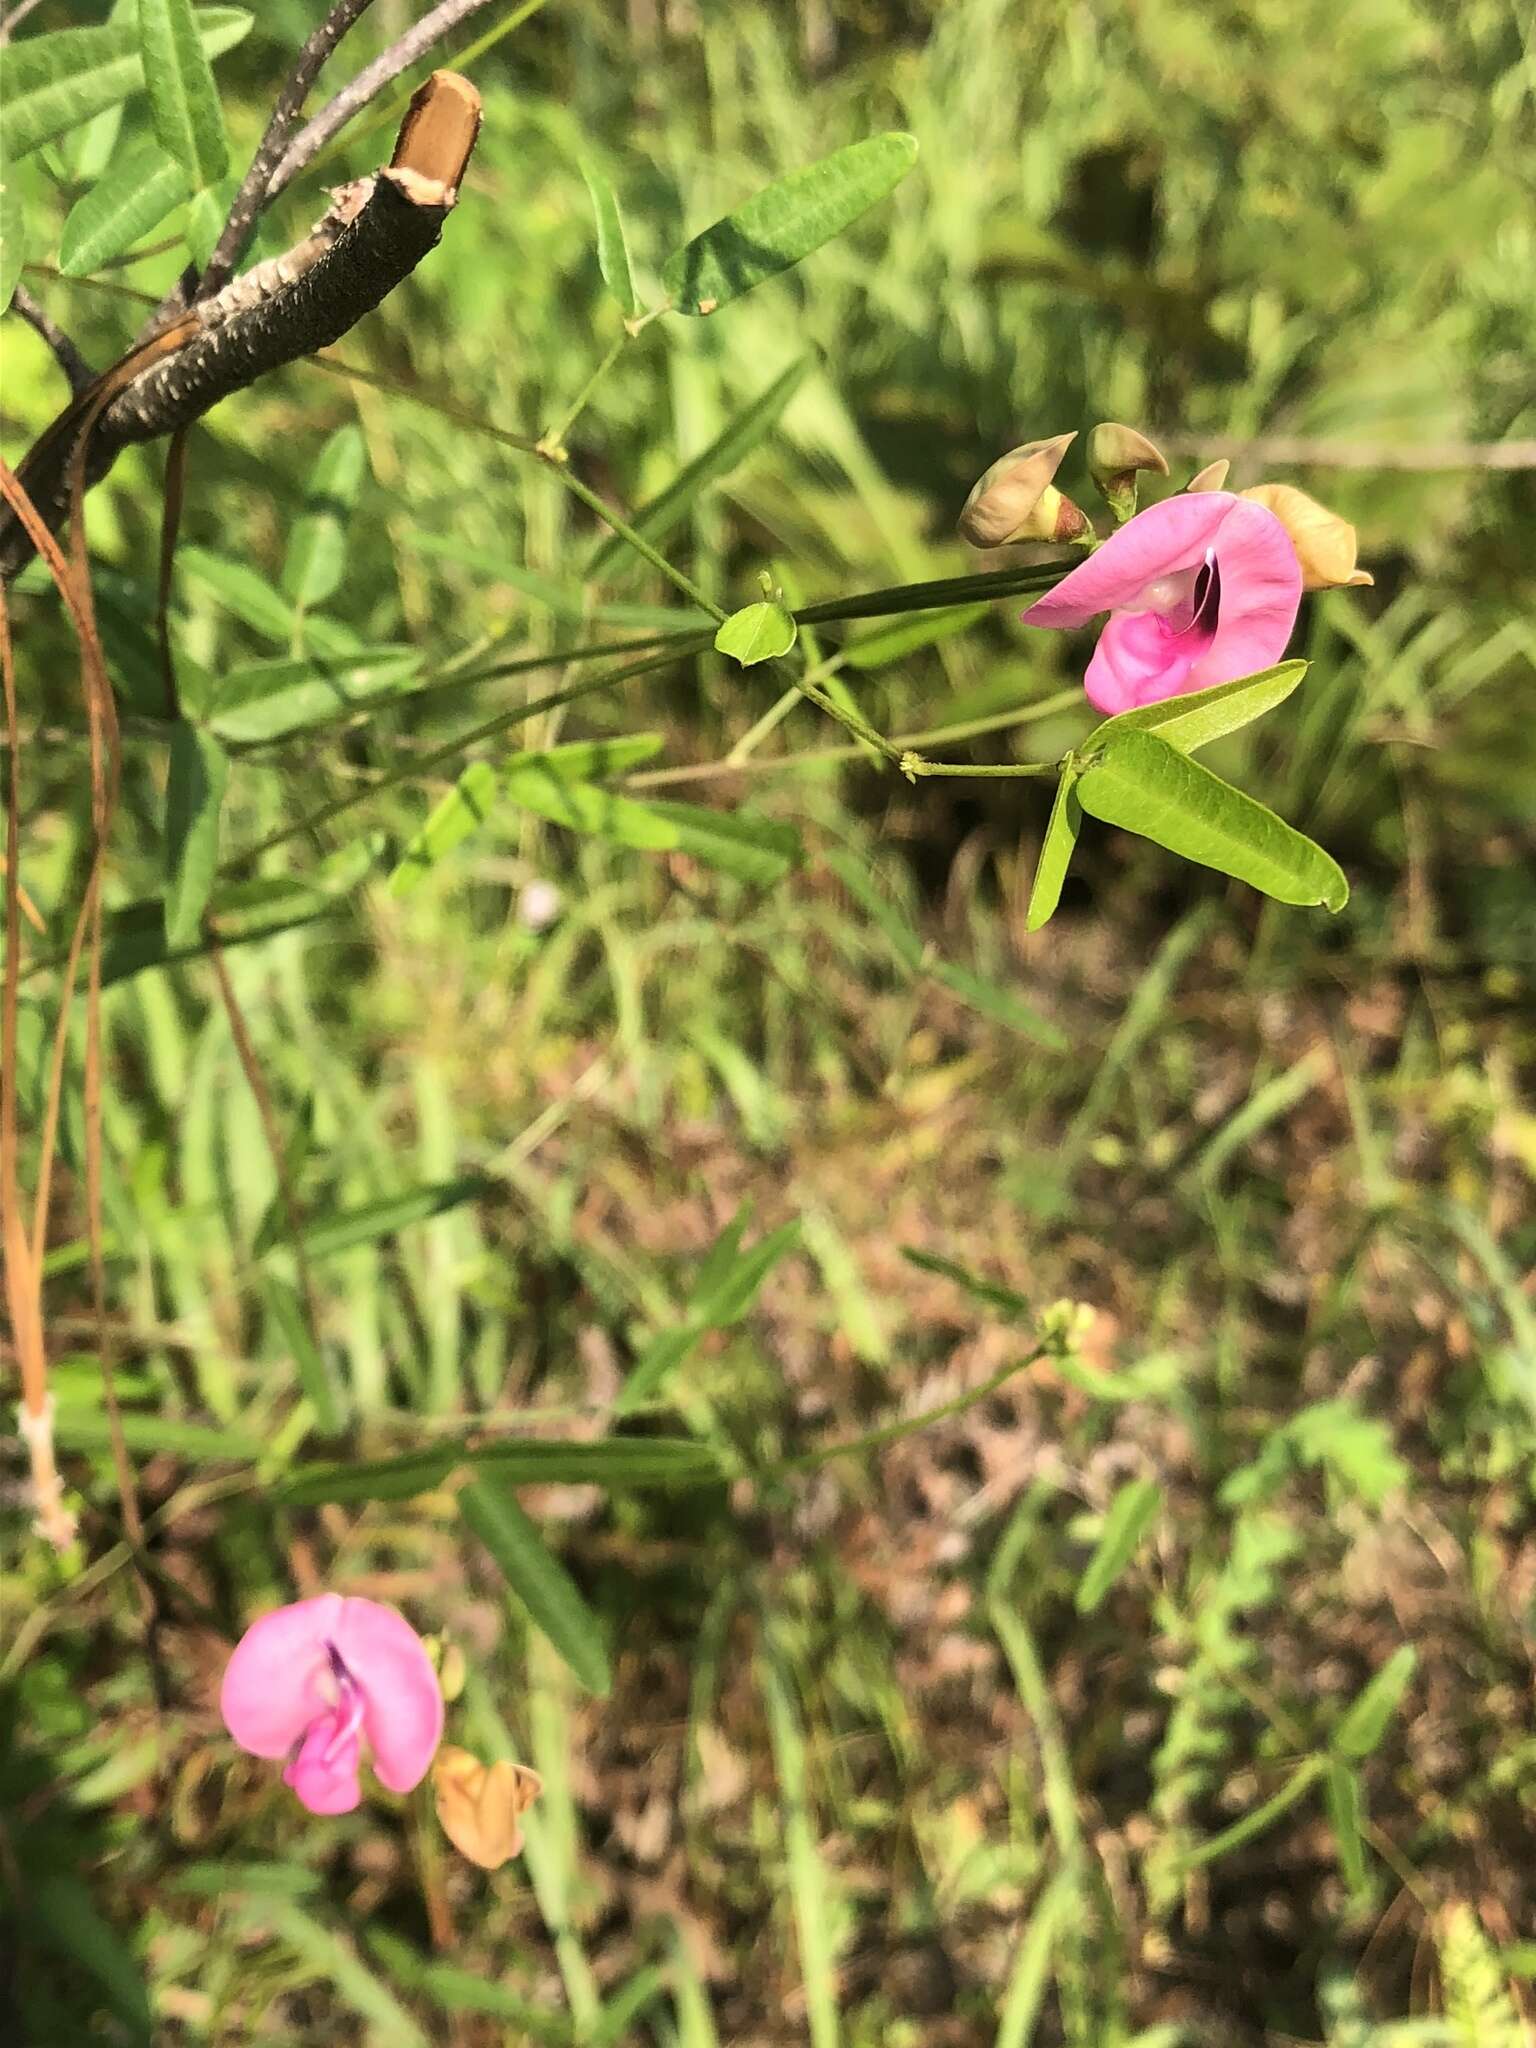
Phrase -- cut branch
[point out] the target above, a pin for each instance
(367, 85)
(375, 234)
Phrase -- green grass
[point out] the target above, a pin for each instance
(1256, 1228)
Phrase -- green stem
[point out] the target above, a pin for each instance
(552, 440)
(915, 765)
(909, 1425)
(627, 533)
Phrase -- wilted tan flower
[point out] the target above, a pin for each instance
(1115, 455)
(1212, 478)
(481, 1805)
(1325, 544)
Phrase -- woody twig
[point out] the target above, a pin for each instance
(375, 233)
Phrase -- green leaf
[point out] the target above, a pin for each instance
(270, 700)
(891, 643)
(753, 849)
(183, 101)
(785, 222)
(1000, 1004)
(59, 1911)
(1131, 1514)
(317, 551)
(309, 1361)
(15, 215)
(1364, 1722)
(241, 590)
(475, 795)
(723, 1298)
(1345, 1801)
(987, 1291)
(239, 912)
(1204, 715)
(54, 82)
(207, 212)
(758, 632)
(134, 196)
(654, 520)
(326, 1236)
(856, 877)
(1056, 849)
(612, 251)
(537, 1579)
(401, 1478)
(194, 794)
(606, 1461)
(584, 807)
(1142, 782)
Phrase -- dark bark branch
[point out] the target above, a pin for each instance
(69, 358)
(374, 236)
(367, 85)
(252, 195)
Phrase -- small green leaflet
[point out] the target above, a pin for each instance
(1056, 849)
(1130, 1515)
(758, 632)
(183, 101)
(537, 1579)
(271, 700)
(726, 452)
(54, 82)
(1346, 1811)
(1365, 1719)
(1141, 781)
(612, 250)
(134, 196)
(402, 1478)
(17, 201)
(1204, 715)
(753, 849)
(317, 551)
(785, 222)
(194, 792)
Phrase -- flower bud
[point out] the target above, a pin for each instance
(1115, 454)
(480, 1806)
(1324, 543)
(1004, 503)
(1212, 478)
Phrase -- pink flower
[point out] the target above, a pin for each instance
(1199, 589)
(310, 1681)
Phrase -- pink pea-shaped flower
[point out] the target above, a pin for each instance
(1200, 589)
(315, 1680)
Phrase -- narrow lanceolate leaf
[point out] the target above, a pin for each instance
(990, 999)
(537, 1580)
(1131, 1514)
(183, 101)
(726, 452)
(317, 552)
(721, 1299)
(1141, 781)
(1056, 849)
(608, 1461)
(1365, 1719)
(241, 590)
(758, 632)
(785, 222)
(14, 211)
(133, 197)
(401, 1478)
(324, 1236)
(612, 250)
(54, 82)
(753, 849)
(1205, 715)
(480, 788)
(1346, 1811)
(194, 793)
(271, 700)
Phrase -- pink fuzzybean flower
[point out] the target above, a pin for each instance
(1200, 589)
(311, 1680)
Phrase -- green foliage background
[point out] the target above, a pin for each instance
(1037, 1725)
